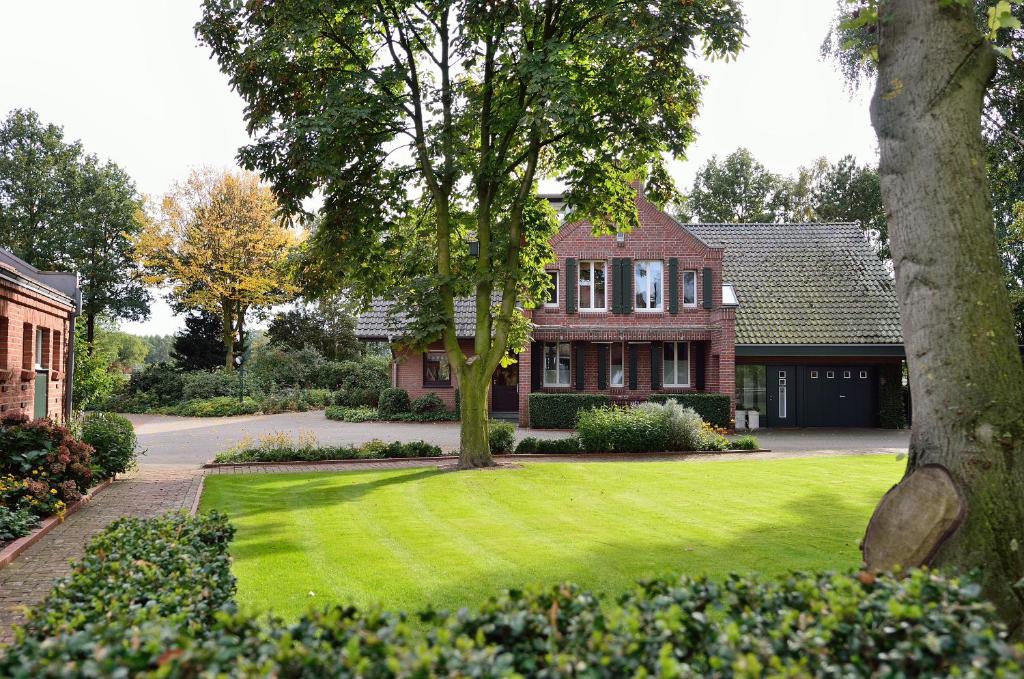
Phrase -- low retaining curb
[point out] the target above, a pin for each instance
(575, 457)
(13, 550)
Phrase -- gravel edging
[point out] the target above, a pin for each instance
(11, 552)
(575, 457)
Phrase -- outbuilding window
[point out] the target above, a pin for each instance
(436, 370)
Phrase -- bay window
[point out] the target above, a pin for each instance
(591, 286)
(648, 285)
(676, 364)
(556, 364)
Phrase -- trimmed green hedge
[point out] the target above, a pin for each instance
(273, 450)
(924, 624)
(712, 408)
(174, 568)
(558, 411)
(569, 445)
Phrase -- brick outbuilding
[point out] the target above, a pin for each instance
(37, 321)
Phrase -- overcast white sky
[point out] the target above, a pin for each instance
(128, 79)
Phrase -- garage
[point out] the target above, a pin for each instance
(813, 395)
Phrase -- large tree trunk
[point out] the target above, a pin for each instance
(227, 333)
(961, 502)
(474, 443)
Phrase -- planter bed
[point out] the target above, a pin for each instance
(13, 549)
(498, 456)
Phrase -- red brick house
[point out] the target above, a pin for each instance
(37, 320)
(796, 321)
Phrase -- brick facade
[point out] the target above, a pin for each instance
(26, 308)
(708, 328)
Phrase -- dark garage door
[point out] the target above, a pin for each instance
(837, 396)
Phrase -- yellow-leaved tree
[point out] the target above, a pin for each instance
(219, 243)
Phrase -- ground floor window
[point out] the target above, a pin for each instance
(676, 364)
(556, 364)
(617, 373)
(436, 370)
(751, 388)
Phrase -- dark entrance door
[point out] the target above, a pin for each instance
(505, 389)
(42, 391)
(781, 388)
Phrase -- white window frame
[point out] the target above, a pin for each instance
(589, 287)
(675, 366)
(647, 292)
(558, 356)
(40, 343)
(690, 272)
(611, 364)
(552, 301)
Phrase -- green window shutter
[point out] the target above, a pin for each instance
(571, 285)
(673, 286)
(616, 286)
(627, 285)
(536, 366)
(656, 357)
(580, 366)
(709, 286)
(602, 366)
(633, 377)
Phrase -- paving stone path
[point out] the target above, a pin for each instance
(148, 492)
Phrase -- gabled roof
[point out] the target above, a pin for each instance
(806, 284)
(378, 324)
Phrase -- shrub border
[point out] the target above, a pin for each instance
(13, 550)
(597, 457)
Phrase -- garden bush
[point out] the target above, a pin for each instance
(622, 430)
(392, 402)
(501, 436)
(113, 440)
(559, 411)
(16, 523)
(428, 403)
(277, 367)
(201, 385)
(344, 414)
(42, 468)
(280, 447)
(174, 568)
(152, 598)
(222, 406)
(160, 384)
(746, 442)
(358, 383)
(712, 408)
(569, 445)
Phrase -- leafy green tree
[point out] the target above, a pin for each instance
(849, 192)
(199, 345)
(97, 371)
(736, 189)
(160, 347)
(326, 326)
(449, 112)
(62, 209)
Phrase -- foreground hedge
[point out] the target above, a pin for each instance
(280, 448)
(559, 411)
(712, 408)
(827, 625)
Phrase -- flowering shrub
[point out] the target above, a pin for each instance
(44, 467)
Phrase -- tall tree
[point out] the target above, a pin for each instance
(62, 209)
(736, 189)
(325, 325)
(160, 347)
(959, 503)
(221, 246)
(200, 344)
(456, 107)
(847, 191)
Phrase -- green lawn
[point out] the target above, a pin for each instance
(412, 537)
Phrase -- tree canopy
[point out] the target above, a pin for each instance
(220, 245)
(326, 325)
(63, 209)
(434, 120)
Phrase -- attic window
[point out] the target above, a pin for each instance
(620, 237)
